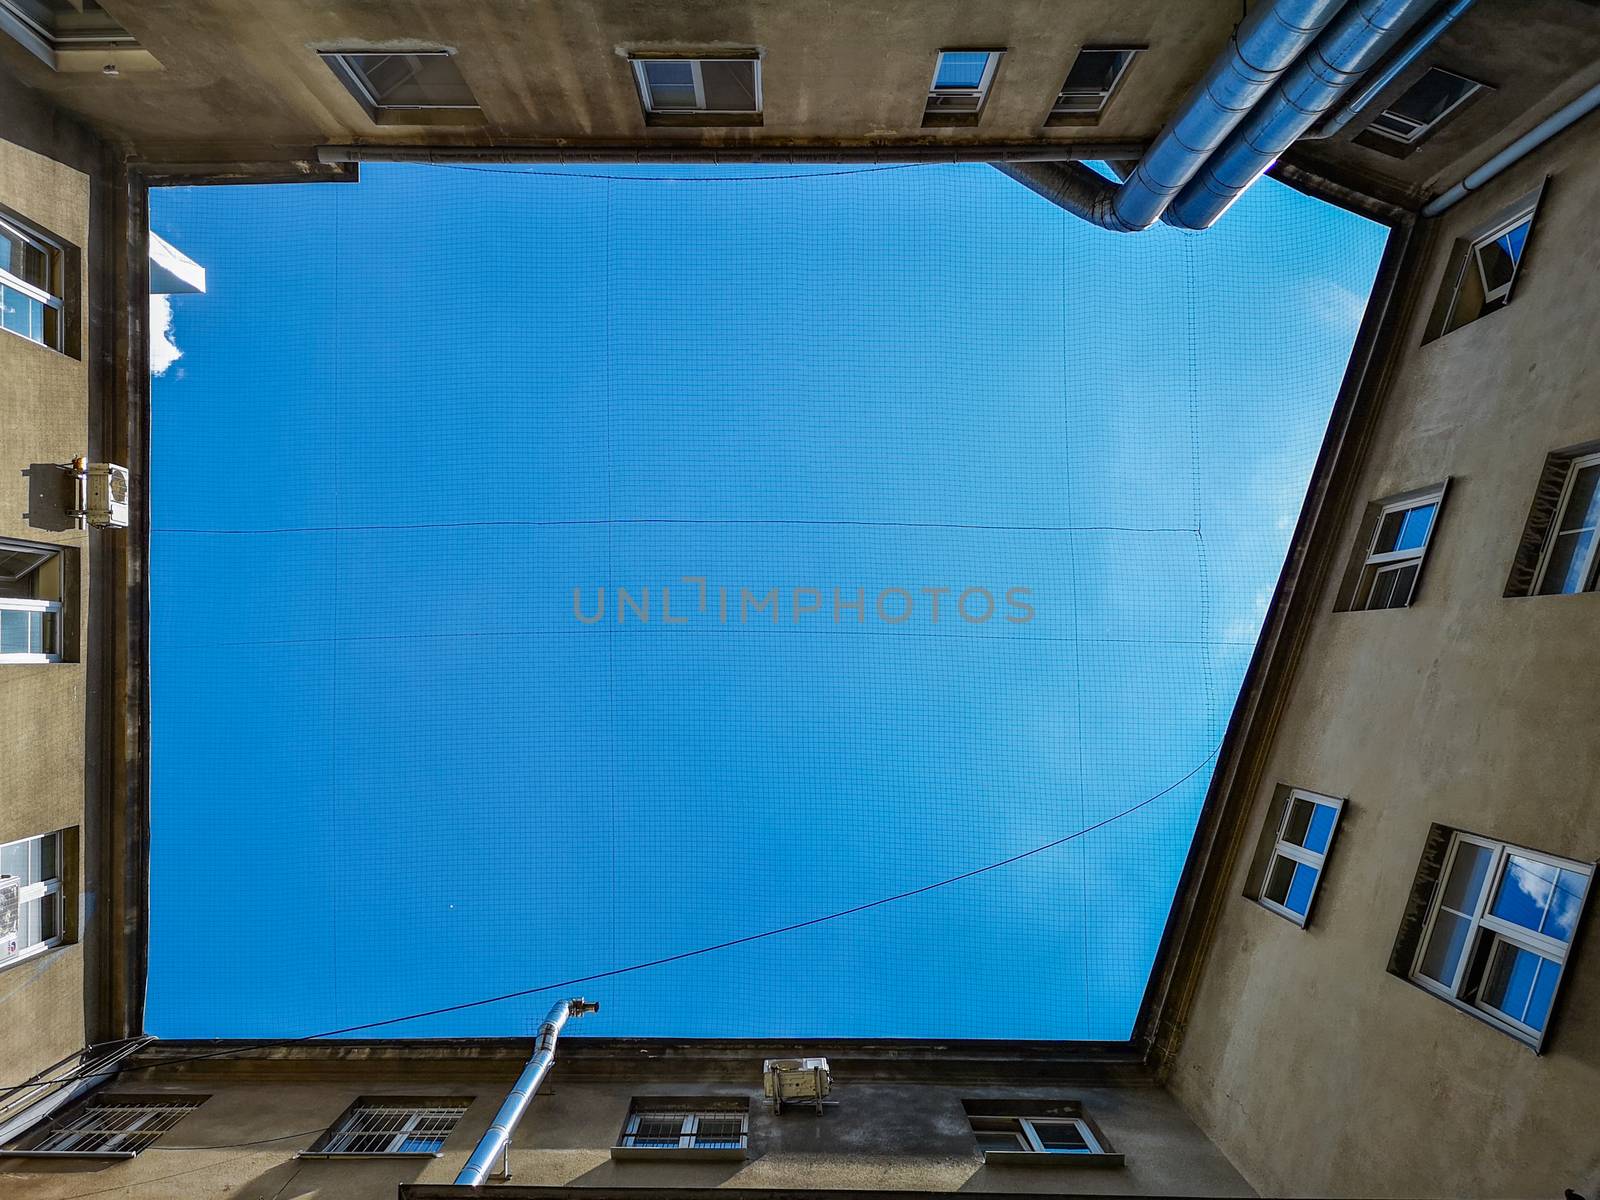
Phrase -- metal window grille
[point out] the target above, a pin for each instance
(687, 1131)
(112, 1126)
(378, 1128)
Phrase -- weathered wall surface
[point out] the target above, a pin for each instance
(878, 1136)
(46, 405)
(1315, 1069)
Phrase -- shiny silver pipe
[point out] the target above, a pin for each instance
(498, 1136)
(1524, 145)
(1350, 47)
(1267, 43)
(1367, 92)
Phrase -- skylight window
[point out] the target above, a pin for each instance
(961, 82)
(1424, 106)
(699, 87)
(1095, 74)
(406, 88)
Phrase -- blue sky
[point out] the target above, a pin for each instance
(392, 771)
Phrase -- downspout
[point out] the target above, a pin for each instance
(1266, 44)
(1541, 133)
(1358, 39)
(498, 1136)
(1353, 107)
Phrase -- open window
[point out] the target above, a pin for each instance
(1559, 553)
(699, 91)
(1419, 110)
(1038, 1133)
(1391, 548)
(32, 622)
(416, 87)
(1497, 923)
(1483, 267)
(960, 86)
(1295, 842)
(1093, 79)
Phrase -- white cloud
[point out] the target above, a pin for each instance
(163, 350)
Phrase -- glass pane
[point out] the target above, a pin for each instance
(1432, 96)
(49, 918)
(718, 1132)
(1467, 876)
(1061, 1137)
(1498, 259)
(729, 86)
(1525, 891)
(23, 259)
(1392, 586)
(1094, 70)
(1280, 876)
(13, 631)
(1544, 991)
(1509, 982)
(994, 1139)
(1562, 917)
(1414, 529)
(16, 562)
(1567, 566)
(671, 84)
(21, 313)
(1583, 501)
(1448, 940)
(1320, 829)
(1388, 532)
(14, 860)
(961, 69)
(1305, 881)
(36, 633)
(413, 80)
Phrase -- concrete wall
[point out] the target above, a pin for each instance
(48, 402)
(1317, 1071)
(878, 1136)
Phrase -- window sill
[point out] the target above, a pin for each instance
(1032, 1158)
(33, 952)
(100, 1155)
(405, 1154)
(666, 1154)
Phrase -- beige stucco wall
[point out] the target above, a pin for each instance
(1315, 1069)
(44, 416)
(878, 1136)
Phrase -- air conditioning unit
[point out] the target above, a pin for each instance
(108, 496)
(10, 909)
(796, 1081)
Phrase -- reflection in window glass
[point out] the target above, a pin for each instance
(1570, 560)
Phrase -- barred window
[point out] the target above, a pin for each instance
(387, 1125)
(116, 1125)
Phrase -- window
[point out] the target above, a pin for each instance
(699, 86)
(1422, 108)
(422, 86)
(1570, 562)
(111, 1126)
(1037, 1133)
(1498, 929)
(392, 1125)
(691, 1127)
(47, 27)
(960, 85)
(35, 919)
(30, 284)
(1483, 268)
(1095, 75)
(31, 625)
(1301, 828)
(1392, 543)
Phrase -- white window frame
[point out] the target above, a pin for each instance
(52, 257)
(407, 1115)
(642, 81)
(1416, 130)
(1377, 563)
(44, 43)
(112, 1127)
(1026, 1130)
(48, 890)
(980, 94)
(1590, 576)
(1286, 849)
(1481, 921)
(1056, 109)
(688, 1129)
(52, 647)
(338, 61)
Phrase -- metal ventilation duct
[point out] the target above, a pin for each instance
(1361, 35)
(1267, 43)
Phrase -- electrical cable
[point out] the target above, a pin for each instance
(746, 939)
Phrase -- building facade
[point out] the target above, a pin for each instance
(1375, 980)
